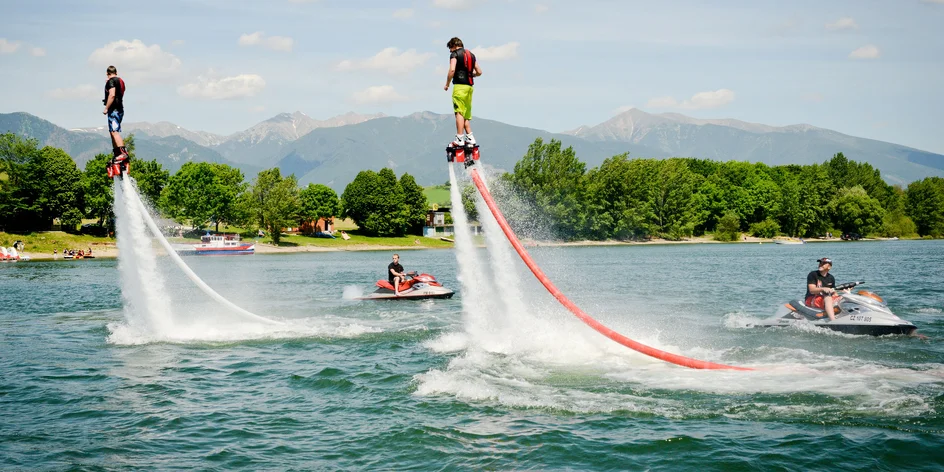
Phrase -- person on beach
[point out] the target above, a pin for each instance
(463, 68)
(820, 283)
(395, 274)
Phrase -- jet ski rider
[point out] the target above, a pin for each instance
(820, 283)
(395, 274)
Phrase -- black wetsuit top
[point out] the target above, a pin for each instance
(818, 280)
(465, 66)
(395, 266)
(119, 86)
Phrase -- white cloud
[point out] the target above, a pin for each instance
(865, 52)
(37, 52)
(701, 100)
(275, 43)
(623, 109)
(8, 47)
(390, 60)
(403, 13)
(497, 53)
(453, 4)
(845, 23)
(178, 42)
(226, 88)
(79, 92)
(134, 58)
(939, 2)
(378, 94)
(539, 8)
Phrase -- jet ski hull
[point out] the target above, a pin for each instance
(860, 314)
(411, 294)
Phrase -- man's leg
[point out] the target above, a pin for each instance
(116, 140)
(830, 312)
(396, 286)
(460, 124)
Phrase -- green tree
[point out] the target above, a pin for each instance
(416, 204)
(274, 203)
(318, 201)
(619, 198)
(468, 202)
(16, 207)
(55, 185)
(677, 207)
(203, 191)
(554, 179)
(854, 211)
(99, 195)
(765, 229)
(924, 203)
(375, 201)
(151, 178)
(729, 227)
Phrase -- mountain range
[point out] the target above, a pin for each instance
(334, 150)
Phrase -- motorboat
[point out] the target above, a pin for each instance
(416, 287)
(790, 241)
(223, 244)
(862, 312)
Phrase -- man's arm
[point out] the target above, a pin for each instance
(451, 73)
(478, 70)
(111, 98)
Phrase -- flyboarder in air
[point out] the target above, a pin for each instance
(115, 111)
(463, 68)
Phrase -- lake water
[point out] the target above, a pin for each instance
(460, 384)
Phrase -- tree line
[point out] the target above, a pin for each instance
(621, 199)
(630, 199)
(39, 186)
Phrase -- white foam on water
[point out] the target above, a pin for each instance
(352, 292)
(147, 306)
(480, 311)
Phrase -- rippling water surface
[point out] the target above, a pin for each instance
(509, 380)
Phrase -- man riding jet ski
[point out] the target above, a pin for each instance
(837, 308)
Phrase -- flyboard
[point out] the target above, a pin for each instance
(468, 155)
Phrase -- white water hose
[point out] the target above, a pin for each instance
(131, 193)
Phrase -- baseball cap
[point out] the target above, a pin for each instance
(824, 260)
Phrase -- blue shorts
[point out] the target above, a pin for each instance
(114, 121)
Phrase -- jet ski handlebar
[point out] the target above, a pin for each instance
(848, 285)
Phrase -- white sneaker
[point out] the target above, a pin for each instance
(469, 139)
(458, 142)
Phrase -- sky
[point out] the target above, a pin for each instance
(867, 68)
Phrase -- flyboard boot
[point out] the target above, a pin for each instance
(120, 164)
(464, 151)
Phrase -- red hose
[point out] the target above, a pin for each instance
(599, 327)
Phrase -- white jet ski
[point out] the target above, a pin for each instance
(417, 287)
(862, 312)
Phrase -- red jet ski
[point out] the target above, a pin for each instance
(416, 287)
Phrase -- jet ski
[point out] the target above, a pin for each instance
(862, 312)
(416, 287)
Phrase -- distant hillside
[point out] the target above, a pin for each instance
(679, 135)
(259, 145)
(333, 151)
(81, 146)
(171, 151)
(417, 144)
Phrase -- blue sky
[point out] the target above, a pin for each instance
(863, 67)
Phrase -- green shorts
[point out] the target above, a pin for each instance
(462, 100)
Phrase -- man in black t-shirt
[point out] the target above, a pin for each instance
(820, 283)
(395, 274)
(115, 111)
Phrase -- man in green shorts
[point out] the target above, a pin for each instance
(462, 69)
